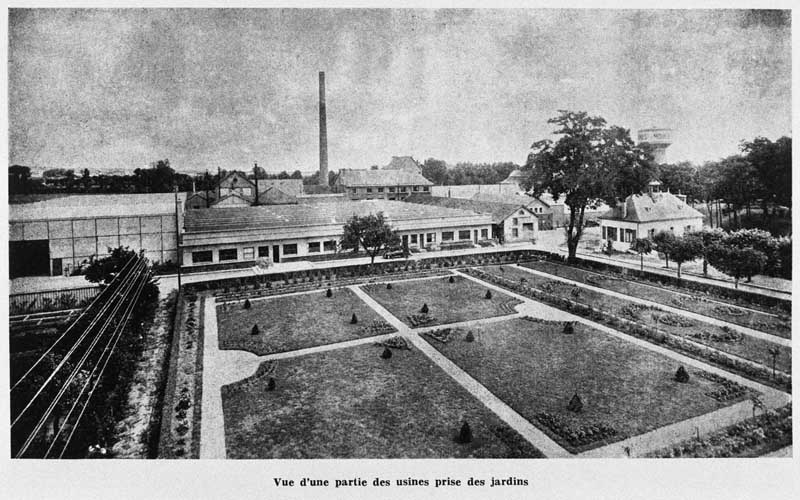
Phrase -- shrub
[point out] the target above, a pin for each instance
(451, 280)
(387, 353)
(329, 293)
(488, 294)
(575, 403)
(388, 286)
(569, 327)
(470, 337)
(682, 375)
(246, 304)
(271, 384)
(354, 319)
(465, 434)
(424, 309)
(255, 330)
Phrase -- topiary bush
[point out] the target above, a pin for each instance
(246, 304)
(271, 384)
(575, 404)
(465, 434)
(354, 319)
(329, 293)
(470, 337)
(255, 330)
(387, 353)
(451, 280)
(388, 286)
(682, 375)
(569, 327)
(488, 294)
(424, 309)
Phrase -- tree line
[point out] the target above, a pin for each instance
(440, 173)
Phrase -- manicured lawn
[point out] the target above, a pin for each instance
(697, 303)
(744, 346)
(447, 302)
(351, 403)
(297, 322)
(534, 367)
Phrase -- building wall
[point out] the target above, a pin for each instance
(521, 226)
(75, 241)
(622, 240)
(384, 192)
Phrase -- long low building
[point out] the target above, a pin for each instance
(287, 232)
(54, 236)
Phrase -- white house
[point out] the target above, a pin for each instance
(644, 215)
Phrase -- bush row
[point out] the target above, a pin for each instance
(575, 435)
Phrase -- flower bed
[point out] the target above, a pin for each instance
(576, 435)
(729, 336)
(728, 390)
(420, 319)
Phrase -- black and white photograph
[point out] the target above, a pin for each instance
(287, 240)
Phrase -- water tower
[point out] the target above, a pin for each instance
(659, 140)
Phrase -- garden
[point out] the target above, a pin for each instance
(361, 402)
(720, 338)
(441, 301)
(288, 323)
(767, 322)
(582, 387)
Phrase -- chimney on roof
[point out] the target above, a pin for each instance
(255, 174)
(323, 133)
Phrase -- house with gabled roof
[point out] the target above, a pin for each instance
(392, 184)
(510, 221)
(406, 163)
(645, 215)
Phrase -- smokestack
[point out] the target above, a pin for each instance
(323, 133)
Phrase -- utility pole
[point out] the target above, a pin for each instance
(177, 238)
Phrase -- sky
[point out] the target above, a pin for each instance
(120, 89)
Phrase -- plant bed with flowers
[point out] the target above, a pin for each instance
(354, 403)
(749, 315)
(536, 369)
(461, 300)
(297, 322)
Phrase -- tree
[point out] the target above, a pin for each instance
(686, 249)
(772, 163)
(707, 238)
(642, 246)
(682, 178)
(760, 240)
(296, 175)
(590, 162)
(370, 232)
(664, 241)
(435, 171)
(19, 179)
(737, 262)
(104, 270)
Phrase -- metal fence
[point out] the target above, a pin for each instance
(51, 300)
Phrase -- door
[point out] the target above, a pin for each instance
(405, 241)
(276, 253)
(476, 236)
(57, 267)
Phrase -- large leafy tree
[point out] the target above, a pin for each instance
(589, 163)
(685, 249)
(370, 232)
(664, 242)
(772, 164)
(682, 178)
(737, 262)
(757, 239)
(435, 171)
(642, 246)
(707, 238)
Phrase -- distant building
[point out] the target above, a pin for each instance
(514, 179)
(644, 215)
(235, 189)
(544, 212)
(54, 236)
(510, 221)
(388, 184)
(241, 235)
(405, 163)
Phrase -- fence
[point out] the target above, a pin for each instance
(51, 300)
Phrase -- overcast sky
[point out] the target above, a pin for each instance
(206, 88)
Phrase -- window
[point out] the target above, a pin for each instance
(515, 221)
(204, 256)
(651, 233)
(687, 229)
(313, 247)
(290, 249)
(484, 234)
(369, 190)
(630, 234)
(248, 253)
(403, 189)
(263, 251)
(247, 191)
(228, 254)
(515, 233)
(603, 230)
(391, 190)
(447, 235)
(380, 190)
(329, 246)
(611, 233)
(425, 189)
(416, 188)
(463, 235)
(413, 239)
(430, 238)
(528, 226)
(522, 212)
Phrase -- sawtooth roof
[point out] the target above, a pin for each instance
(353, 177)
(498, 211)
(651, 207)
(289, 216)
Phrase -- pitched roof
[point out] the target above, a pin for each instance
(406, 163)
(498, 211)
(514, 177)
(651, 207)
(216, 220)
(518, 199)
(292, 187)
(353, 177)
(84, 206)
(274, 196)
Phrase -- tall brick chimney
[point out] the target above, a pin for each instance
(323, 133)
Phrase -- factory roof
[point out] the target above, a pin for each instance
(292, 216)
(87, 206)
(498, 211)
(388, 177)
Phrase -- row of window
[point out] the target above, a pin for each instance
(402, 189)
(628, 235)
(248, 253)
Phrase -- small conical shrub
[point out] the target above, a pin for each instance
(246, 304)
(569, 327)
(255, 330)
(465, 434)
(575, 404)
(329, 293)
(387, 353)
(388, 286)
(424, 309)
(271, 384)
(470, 337)
(682, 375)
(451, 280)
(488, 294)
(354, 319)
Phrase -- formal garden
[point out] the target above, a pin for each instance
(440, 301)
(291, 322)
(361, 402)
(581, 386)
(774, 321)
